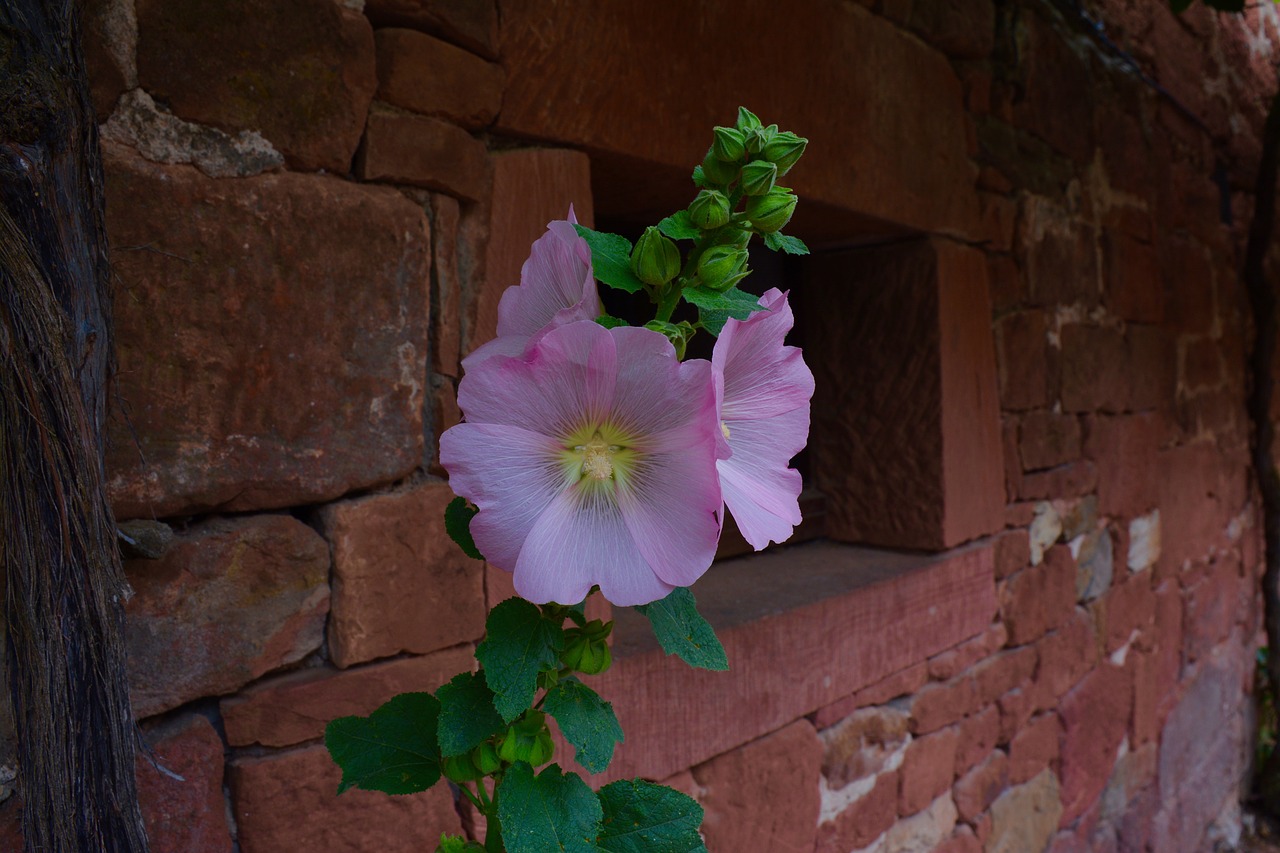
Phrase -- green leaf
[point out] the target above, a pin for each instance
(641, 817)
(587, 722)
(551, 811)
(392, 750)
(714, 308)
(677, 226)
(682, 631)
(467, 715)
(611, 259)
(457, 844)
(457, 523)
(519, 643)
(781, 242)
(610, 322)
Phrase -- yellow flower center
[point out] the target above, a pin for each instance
(598, 455)
(597, 458)
(724, 428)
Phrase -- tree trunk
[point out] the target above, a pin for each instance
(64, 588)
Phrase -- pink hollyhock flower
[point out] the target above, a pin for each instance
(592, 459)
(556, 287)
(762, 396)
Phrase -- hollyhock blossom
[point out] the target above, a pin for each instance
(762, 397)
(592, 459)
(556, 287)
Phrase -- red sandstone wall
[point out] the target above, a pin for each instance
(313, 207)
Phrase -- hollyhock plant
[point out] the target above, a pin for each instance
(556, 287)
(592, 459)
(762, 396)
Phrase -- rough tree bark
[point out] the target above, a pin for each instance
(64, 588)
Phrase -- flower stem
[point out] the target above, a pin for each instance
(670, 299)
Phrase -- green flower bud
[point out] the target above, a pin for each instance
(757, 139)
(485, 758)
(709, 210)
(758, 177)
(721, 267)
(769, 213)
(747, 120)
(717, 171)
(655, 260)
(731, 235)
(729, 144)
(460, 768)
(587, 648)
(528, 739)
(784, 150)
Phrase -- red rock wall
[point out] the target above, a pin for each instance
(314, 206)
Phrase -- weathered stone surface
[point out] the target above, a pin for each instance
(918, 101)
(1044, 530)
(1095, 563)
(393, 564)
(1034, 748)
(301, 72)
(141, 537)
(1125, 449)
(1096, 374)
(975, 791)
(1133, 287)
(858, 615)
(446, 286)
(928, 767)
(262, 362)
(1073, 480)
(288, 801)
(923, 831)
(425, 75)
(1040, 598)
(1022, 339)
(1013, 552)
(773, 810)
(1095, 718)
(900, 684)
(1125, 613)
(1200, 491)
(1024, 818)
(1059, 255)
(1066, 656)
(162, 137)
(296, 707)
(1000, 673)
(232, 599)
(978, 735)
(953, 661)
(424, 152)
(850, 823)
(1047, 439)
(531, 187)
(1134, 772)
(184, 808)
(1058, 102)
(472, 24)
(919, 470)
(1079, 517)
(868, 742)
(109, 36)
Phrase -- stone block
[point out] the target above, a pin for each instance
(1013, 552)
(1125, 449)
(921, 470)
(1095, 719)
(289, 801)
(1034, 748)
(473, 24)
(1096, 374)
(1040, 598)
(975, 791)
(1188, 282)
(1144, 541)
(900, 684)
(1047, 439)
(928, 768)
(184, 808)
(1001, 673)
(861, 821)
(1095, 563)
(109, 37)
(919, 102)
(531, 187)
(232, 599)
(858, 616)
(1025, 817)
(868, 742)
(1023, 342)
(954, 661)
(1135, 771)
(765, 794)
(1059, 255)
(1132, 284)
(301, 72)
(1125, 612)
(446, 286)
(1066, 656)
(1043, 530)
(1073, 480)
(426, 75)
(1058, 102)
(263, 361)
(1213, 605)
(295, 707)
(421, 151)
(924, 830)
(1201, 490)
(978, 736)
(400, 584)
(941, 704)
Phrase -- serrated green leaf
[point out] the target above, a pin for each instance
(677, 226)
(611, 259)
(682, 631)
(785, 243)
(587, 722)
(550, 811)
(467, 714)
(715, 308)
(457, 523)
(392, 750)
(519, 643)
(610, 322)
(641, 817)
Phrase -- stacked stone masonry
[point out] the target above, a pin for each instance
(313, 208)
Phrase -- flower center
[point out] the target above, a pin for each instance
(724, 428)
(597, 458)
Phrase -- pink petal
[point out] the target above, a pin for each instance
(511, 474)
(565, 378)
(760, 489)
(556, 284)
(581, 540)
(762, 377)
